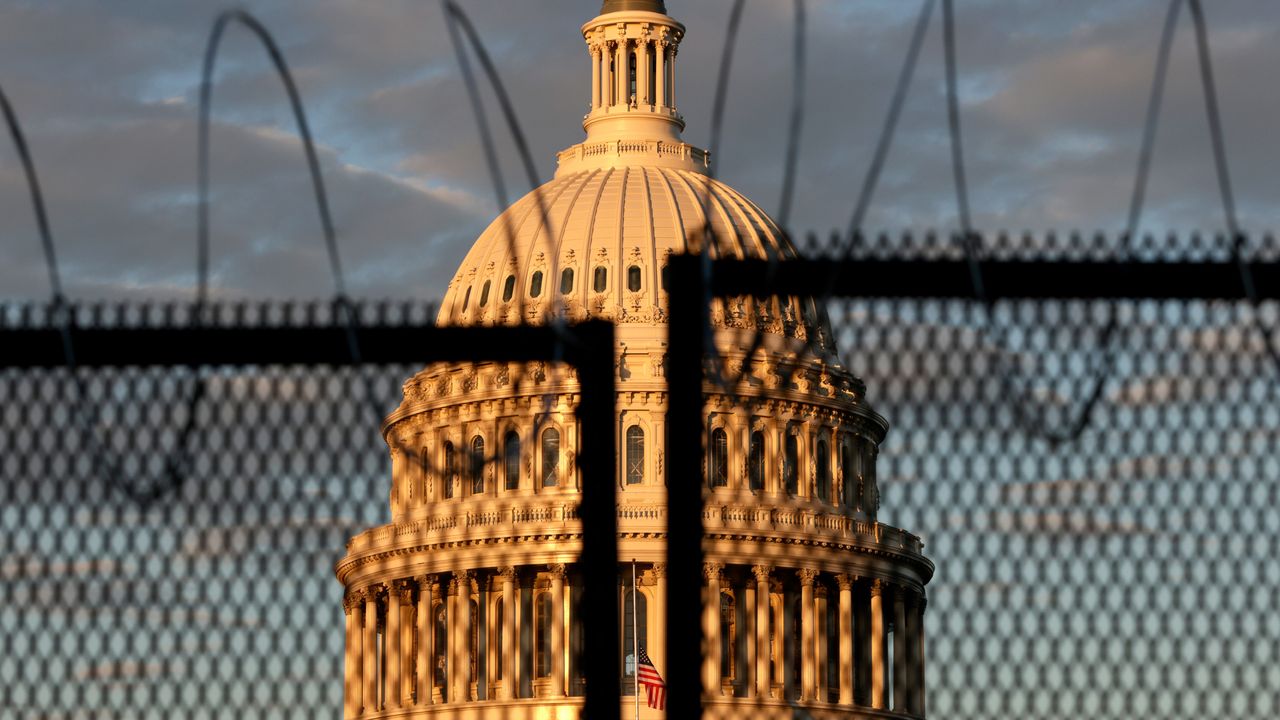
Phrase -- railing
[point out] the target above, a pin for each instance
(763, 518)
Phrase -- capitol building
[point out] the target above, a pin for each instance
(467, 604)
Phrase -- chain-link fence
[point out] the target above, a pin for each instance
(1130, 572)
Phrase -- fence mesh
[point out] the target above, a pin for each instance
(1128, 573)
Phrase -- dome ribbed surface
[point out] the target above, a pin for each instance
(611, 218)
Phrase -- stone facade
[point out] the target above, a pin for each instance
(467, 603)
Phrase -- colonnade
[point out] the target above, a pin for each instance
(412, 642)
(648, 61)
(805, 635)
(798, 635)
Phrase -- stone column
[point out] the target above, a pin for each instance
(642, 73)
(671, 68)
(658, 635)
(370, 691)
(761, 573)
(621, 72)
(460, 667)
(877, 645)
(660, 73)
(900, 682)
(919, 678)
(820, 645)
(353, 604)
(845, 583)
(510, 640)
(391, 646)
(426, 672)
(808, 672)
(557, 630)
(711, 630)
(595, 76)
(750, 617)
(607, 83)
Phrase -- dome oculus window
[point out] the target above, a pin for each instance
(511, 456)
(791, 465)
(475, 466)
(535, 285)
(719, 458)
(600, 281)
(633, 278)
(550, 457)
(822, 466)
(755, 461)
(566, 281)
(635, 455)
(508, 288)
(450, 470)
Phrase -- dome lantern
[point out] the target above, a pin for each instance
(632, 109)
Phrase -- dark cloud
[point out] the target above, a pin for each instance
(1053, 101)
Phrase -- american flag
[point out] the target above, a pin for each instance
(647, 675)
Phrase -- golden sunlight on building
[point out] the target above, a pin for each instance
(467, 604)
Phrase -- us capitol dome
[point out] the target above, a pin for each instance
(467, 604)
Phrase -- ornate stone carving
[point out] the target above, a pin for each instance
(877, 586)
(556, 570)
(712, 570)
(659, 570)
(807, 576)
(761, 572)
(508, 574)
(844, 582)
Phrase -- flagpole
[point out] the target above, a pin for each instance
(635, 641)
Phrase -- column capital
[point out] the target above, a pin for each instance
(556, 570)
(761, 572)
(374, 592)
(877, 586)
(711, 570)
(807, 576)
(659, 570)
(352, 600)
(425, 581)
(402, 590)
(461, 582)
(507, 573)
(844, 582)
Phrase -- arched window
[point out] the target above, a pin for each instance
(633, 278)
(791, 465)
(637, 606)
(635, 455)
(475, 638)
(511, 455)
(822, 470)
(450, 474)
(550, 457)
(508, 288)
(535, 285)
(466, 299)
(484, 294)
(719, 470)
(475, 466)
(440, 647)
(600, 281)
(848, 473)
(755, 461)
(566, 281)
(499, 639)
(728, 634)
(542, 657)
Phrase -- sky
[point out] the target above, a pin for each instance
(1053, 96)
